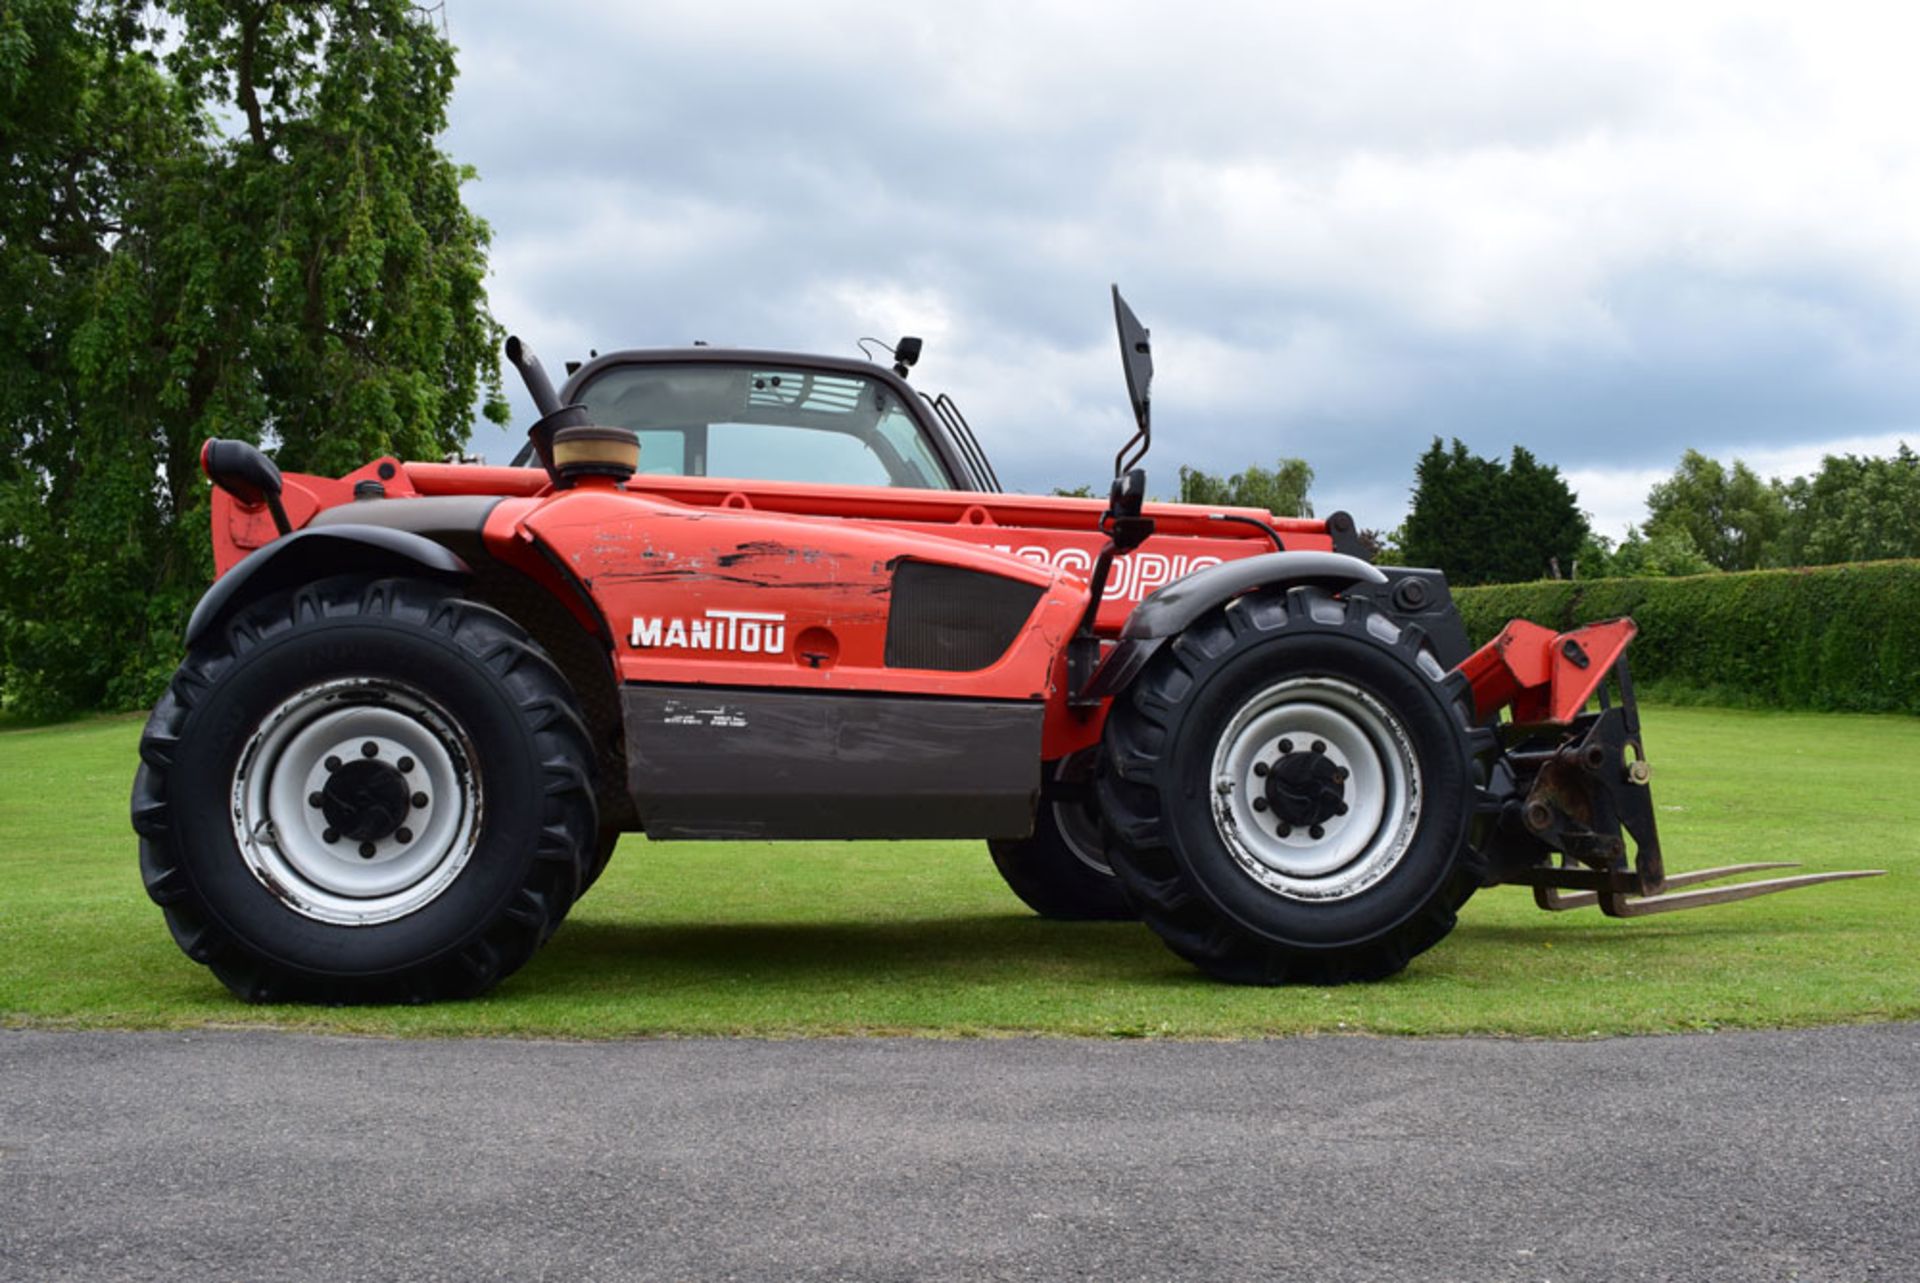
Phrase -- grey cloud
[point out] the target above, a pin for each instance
(1359, 227)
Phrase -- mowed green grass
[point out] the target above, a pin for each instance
(784, 939)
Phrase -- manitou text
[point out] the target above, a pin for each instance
(746, 632)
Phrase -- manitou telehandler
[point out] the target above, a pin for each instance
(744, 594)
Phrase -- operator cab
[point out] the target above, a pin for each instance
(780, 416)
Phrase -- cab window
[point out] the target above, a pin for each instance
(766, 424)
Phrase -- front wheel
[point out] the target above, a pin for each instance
(364, 790)
(1289, 787)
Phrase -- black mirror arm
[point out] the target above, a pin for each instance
(1128, 455)
(278, 512)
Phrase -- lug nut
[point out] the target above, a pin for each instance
(1286, 746)
(403, 834)
(369, 749)
(1286, 830)
(1319, 746)
(368, 850)
(1259, 768)
(333, 764)
(1259, 803)
(406, 764)
(1316, 832)
(314, 799)
(419, 799)
(1340, 808)
(1339, 775)
(331, 835)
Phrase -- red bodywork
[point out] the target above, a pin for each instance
(819, 556)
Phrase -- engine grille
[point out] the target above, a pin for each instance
(953, 620)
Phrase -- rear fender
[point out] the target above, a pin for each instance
(317, 553)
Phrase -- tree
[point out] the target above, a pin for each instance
(1854, 509)
(1732, 517)
(1282, 490)
(234, 222)
(1484, 521)
(1379, 546)
(1661, 554)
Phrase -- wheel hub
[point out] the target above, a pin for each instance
(1304, 789)
(365, 800)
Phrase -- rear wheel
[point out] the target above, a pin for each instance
(1289, 787)
(365, 791)
(1061, 871)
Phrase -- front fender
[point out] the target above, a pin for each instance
(1169, 612)
(311, 554)
(1173, 608)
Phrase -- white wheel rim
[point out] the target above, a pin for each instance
(296, 755)
(1342, 854)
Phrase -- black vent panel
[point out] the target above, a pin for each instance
(953, 620)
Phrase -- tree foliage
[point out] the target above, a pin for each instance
(1852, 509)
(1729, 515)
(1662, 553)
(219, 219)
(1485, 521)
(1281, 490)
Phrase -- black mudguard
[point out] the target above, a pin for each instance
(316, 553)
(1410, 596)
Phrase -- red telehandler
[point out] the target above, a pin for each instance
(746, 594)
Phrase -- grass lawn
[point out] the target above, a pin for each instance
(921, 937)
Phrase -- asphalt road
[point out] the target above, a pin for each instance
(262, 1156)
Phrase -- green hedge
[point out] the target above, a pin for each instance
(1842, 638)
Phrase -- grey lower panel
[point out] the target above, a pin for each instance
(718, 762)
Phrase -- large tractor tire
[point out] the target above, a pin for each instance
(1061, 871)
(365, 791)
(604, 844)
(1289, 790)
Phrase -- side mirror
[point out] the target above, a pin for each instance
(246, 474)
(906, 355)
(1136, 358)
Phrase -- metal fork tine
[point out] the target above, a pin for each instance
(1624, 906)
(1558, 901)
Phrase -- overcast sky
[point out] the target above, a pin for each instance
(1351, 226)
